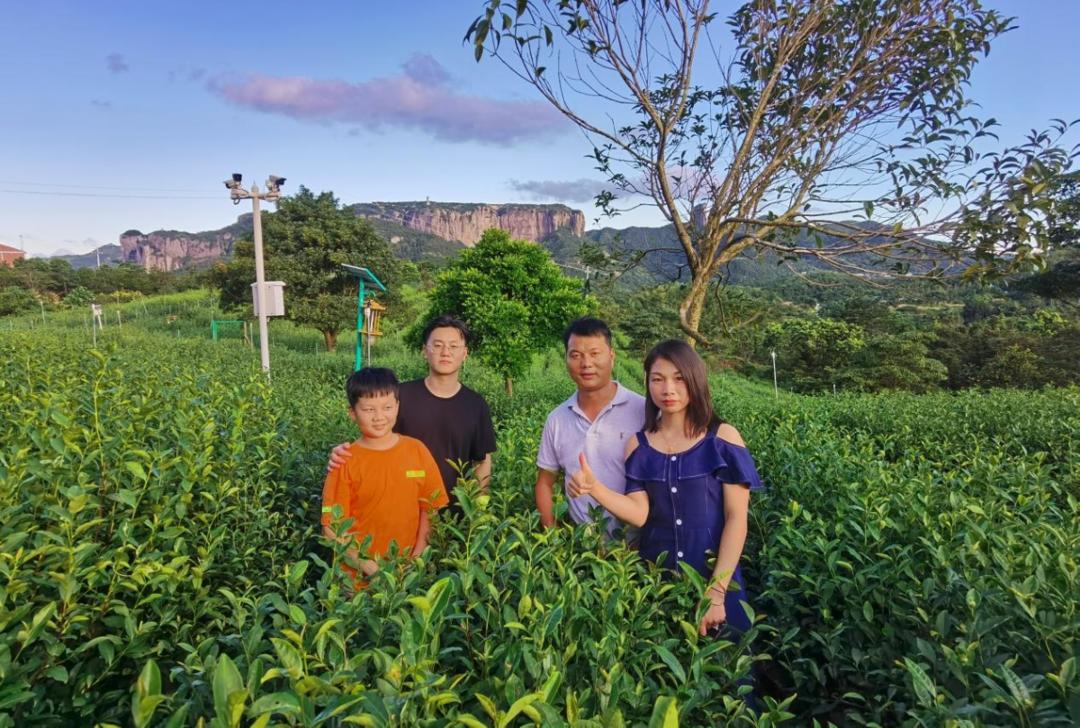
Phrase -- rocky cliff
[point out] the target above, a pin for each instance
(466, 222)
(415, 230)
(173, 249)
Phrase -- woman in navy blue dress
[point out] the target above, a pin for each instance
(688, 482)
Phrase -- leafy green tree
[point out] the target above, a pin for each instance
(873, 314)
(1060, 353)
(1063, 217)
(515, 299)
(15, 299)
(39, 275)
(895, 361)
(306, 241)
(734, 321)
(813, 353)
(54, 278)
(1013, 366)
(1061, 279)
(822, 130)
(79, 298)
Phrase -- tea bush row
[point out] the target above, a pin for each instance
(134, 487)
(915, 560)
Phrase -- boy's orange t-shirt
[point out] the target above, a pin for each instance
(383, 492)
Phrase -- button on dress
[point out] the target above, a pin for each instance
(686, 506)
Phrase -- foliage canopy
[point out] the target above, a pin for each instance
(306, 241)
(515, 300)
(840, 131)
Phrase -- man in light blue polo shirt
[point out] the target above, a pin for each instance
(598, 419)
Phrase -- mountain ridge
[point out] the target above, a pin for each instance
(436, 231)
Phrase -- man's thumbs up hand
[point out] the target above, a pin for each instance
(584, 481)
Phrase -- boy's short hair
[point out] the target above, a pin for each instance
(446, 322)
(370, 382)
(586, 326)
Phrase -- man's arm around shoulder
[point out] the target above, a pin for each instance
(545, 499)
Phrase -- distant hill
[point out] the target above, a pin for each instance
(437, 231)
(415, 230)
(755, 267)
(110, 254)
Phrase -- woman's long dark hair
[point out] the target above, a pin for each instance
(699, 413)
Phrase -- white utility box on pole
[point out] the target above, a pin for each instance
(274, 294)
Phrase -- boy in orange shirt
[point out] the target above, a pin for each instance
(389, 486)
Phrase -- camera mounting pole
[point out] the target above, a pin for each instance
(272, 194)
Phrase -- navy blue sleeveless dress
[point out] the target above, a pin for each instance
(686, 506)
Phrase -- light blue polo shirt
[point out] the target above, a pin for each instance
(568, 431)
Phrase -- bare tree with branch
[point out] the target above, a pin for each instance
(832, 129)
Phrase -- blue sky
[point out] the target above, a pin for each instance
(120, 115)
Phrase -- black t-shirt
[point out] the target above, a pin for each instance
(454, 428)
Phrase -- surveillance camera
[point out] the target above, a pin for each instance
(237, 177)
(275, 182)
(231, 184)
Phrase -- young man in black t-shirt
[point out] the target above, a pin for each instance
(451, 419)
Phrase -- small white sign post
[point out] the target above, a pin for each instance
(95, 313)
(775, 388)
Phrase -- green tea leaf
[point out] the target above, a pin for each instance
(488, 705)
(284, 703)
(672, 662)
(149, 682)
(136, 469)
(665, 713)
(925, 690)
(227, 682)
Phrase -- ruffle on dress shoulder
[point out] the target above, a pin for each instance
(736, 464)
(641, 468)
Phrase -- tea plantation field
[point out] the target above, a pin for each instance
(915, 559)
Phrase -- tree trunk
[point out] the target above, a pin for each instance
(509, 387)
(330, 337)
(691, 309)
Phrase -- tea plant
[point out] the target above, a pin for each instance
(133, 488)
(914, 561)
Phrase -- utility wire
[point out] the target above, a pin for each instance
(96, 187)
(100, 194)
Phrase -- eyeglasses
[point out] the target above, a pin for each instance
(441, 347)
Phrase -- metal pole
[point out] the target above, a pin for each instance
(775, 388)
(260, 282)
(360, 327)
(368, 326)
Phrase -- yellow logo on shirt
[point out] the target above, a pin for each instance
(414, 473)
